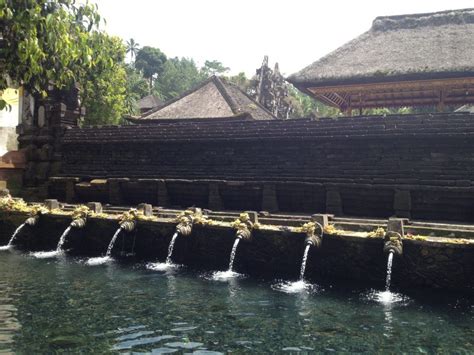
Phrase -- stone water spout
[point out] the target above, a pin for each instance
(128, 226)
(314, 230)
(186, 221)
(128, 221)
(244, 226)
(314, 234)
(79, 220)
(32, 221)
(35, 214)
(393, 237)
(79, 217)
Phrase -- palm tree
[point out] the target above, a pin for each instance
(132, 48)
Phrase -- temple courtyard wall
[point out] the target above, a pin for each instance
(414, 166)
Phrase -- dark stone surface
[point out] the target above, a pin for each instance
(278, 254)
(417, 166)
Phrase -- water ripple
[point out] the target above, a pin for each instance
(143, 341)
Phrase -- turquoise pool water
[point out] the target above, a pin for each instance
(63, 305)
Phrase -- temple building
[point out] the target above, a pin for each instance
(407, 60)
(148, 103)
(214, 98)
(216, 148)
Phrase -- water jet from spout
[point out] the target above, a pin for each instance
(232, 254)
(108, 256)
(388, 297)
(301, 285)
(10, 242)
(62, 240)
(230, 273)
(59, 248)
(389, 271)
(303, 262)
(170, 248)
(168, 264)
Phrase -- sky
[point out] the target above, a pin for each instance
(294, 33)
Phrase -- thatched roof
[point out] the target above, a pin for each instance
(149, 102)
(213, 98)
(439, 44)
(466, 108)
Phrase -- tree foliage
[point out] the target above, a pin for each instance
(242, 82)
(58, 42)
(104, 86)
(136, 88)
(151, 62)
(178, 76)
(132, 48)
(213, 67)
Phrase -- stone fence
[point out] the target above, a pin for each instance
(418, 166)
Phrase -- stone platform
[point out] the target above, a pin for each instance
(436, 255)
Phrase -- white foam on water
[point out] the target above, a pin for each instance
(162, 266)
(4, 247)
(224, 275)
(386, 297)
(45, 254)
(299, 286)
(100, 260)
(229, 274)
(53, 253)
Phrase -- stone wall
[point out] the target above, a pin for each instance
(269, 253)
(43, 123)
(417, 166)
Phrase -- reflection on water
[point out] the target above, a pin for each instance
(300, 287)
(66, 306)
(9, 325)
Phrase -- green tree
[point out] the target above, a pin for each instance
(132, 48)
(45, 41)
(59, 42)
(151, 62)
(178, 76)
(104, 84)
(242, 82)
(136, 88)
(306, 106)
(213, 67)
